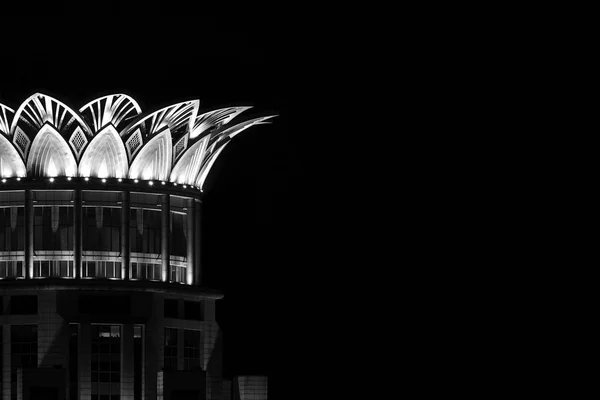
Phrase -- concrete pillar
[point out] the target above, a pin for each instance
(166, 234)
(127, 378)
(77, 234)
(125, 267)
(6, 362)
(197, 244)
(84, 361)
(29, 215)
(191, 224)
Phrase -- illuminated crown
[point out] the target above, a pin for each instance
(110, 137)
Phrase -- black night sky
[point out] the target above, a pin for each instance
(254, 218)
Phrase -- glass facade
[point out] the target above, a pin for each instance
(101, 229)
(12, 229)
(53, 228)
(145, 231)
(106, 362)
(178, 234)
(52, 253)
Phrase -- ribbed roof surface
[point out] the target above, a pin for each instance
(111, 137)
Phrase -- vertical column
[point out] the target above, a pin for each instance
(28, 234)
(191, 223)
(165, 230)
(127, 378)
(77, 234)
(197, 244)
(125, 268)
(6, 362)
(84, 362)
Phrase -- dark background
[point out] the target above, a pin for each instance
(254, 210)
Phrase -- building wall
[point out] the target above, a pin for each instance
(57, 309)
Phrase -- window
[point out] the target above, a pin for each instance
(11, 269)
(12, 229)
(101, 269)
(146, 271)
(24, 351)
(178, 273)
(53, 228)
(24, 345)
(53, 268)
(178, 234)
(21, 305)
(73, 360)
(145, 231)
(106, 361)
(192, 310)
(191, 350)
(138, 361)
(170, 353)
(170, 308)
(101, 227)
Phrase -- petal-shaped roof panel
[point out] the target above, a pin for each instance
(105, 156)
(154, 160)
(215, 118)
(209, 160)
(178, 118)
(187, 168)
(6, 115)
(218, 141)
(116, 109)
(236, 129)
(50, 155)
(11, 163)
(40, 109)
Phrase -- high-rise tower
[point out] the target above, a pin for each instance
(100, 259)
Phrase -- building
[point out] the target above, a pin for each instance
(101, 294)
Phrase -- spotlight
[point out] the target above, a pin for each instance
(163, 182)
(3, 180)
(150, 183)
(51, 179)
(120, 180)
(69, 178)
(18, 179)
(185, 187)
(136, 181)
(87, 178)
(103, 179)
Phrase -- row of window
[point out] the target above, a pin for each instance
(95, 269)
(101, 227)
(20, 305)
(105, 357)
(28, 304)
(191, 350)
(192, 310)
